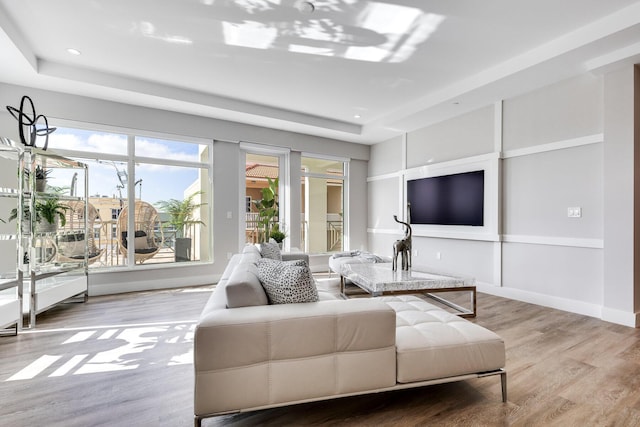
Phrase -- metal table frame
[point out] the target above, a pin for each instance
(425, 290)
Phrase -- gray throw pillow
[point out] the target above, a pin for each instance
(270, 250)
(243, 288)
(287, 281)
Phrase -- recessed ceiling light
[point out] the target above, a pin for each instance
(356, 116)
(73, 51)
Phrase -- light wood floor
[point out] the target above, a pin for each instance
(126, 361)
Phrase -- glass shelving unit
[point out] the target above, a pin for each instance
(42, 277)
(50, 280)
(10, 276)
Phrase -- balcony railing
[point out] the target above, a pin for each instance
(105, 233)
(333, 227)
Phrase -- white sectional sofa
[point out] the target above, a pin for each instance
(251, 355)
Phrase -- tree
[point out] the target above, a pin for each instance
(268, 209)
(181, 212)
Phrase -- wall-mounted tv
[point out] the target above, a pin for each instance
(456, 199)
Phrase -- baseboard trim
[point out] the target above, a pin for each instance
(559, 303)
(151, 285)
(606, 314)
(621, 317)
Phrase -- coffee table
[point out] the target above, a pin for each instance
(379, 279)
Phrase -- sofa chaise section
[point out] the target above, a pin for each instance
(258, 357)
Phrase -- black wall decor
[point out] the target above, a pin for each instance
(29, 123)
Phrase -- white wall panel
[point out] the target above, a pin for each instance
(386, 157)
(557, 271)
(358, 205)
(621, 187)
(568, 109)
(381, 244)
(538, 189)
(385, 200)
(468, 135)
(465, 257)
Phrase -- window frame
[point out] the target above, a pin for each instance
(345, 190)
(130, 159)
(284, 183)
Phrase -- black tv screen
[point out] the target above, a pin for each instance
(456, 199)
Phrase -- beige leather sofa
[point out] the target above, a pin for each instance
(255, 356)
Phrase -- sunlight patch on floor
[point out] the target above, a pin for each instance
(121, 348)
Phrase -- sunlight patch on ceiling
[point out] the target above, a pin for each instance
(148, 30)
(254, 6)
(249, 34)
(363, 31)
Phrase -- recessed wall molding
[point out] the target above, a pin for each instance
(574, 242)
(444, 234)
(423, 170)
(385, 231)
(447, 164)
(458, 235)
(557, 145)
(393, 175)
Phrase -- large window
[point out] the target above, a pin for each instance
(150, 194)
(323, 207)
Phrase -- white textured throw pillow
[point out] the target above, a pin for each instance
(270, 250)
(287, 281)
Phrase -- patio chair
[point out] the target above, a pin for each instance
(148, 236)
(70, 239)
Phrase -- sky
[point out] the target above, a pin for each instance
(155, 182)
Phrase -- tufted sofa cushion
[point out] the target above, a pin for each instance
(432, 343)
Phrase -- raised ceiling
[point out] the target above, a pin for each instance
(360, 71)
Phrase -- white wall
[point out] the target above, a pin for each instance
(227, 173)
(467, 135)
(621, 189)
(570, 144)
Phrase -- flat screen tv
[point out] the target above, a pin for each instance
(456, 199)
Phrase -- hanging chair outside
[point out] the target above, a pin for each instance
(71, 239)
(148, 237)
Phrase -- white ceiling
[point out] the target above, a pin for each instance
(397, 64)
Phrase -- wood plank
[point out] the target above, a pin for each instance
(127, 360)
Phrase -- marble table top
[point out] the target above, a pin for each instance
(379, 278)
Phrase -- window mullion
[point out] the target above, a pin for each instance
(131, 200)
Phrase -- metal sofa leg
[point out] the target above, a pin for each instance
(503, 381)
(197, 421)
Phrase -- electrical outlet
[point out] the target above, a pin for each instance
(415, 252)
(574, 212)
(438, 255)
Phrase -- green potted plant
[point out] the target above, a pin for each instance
(268, 209)
(277, 234)
(181, 216)
(49, 212)
(41, 175)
